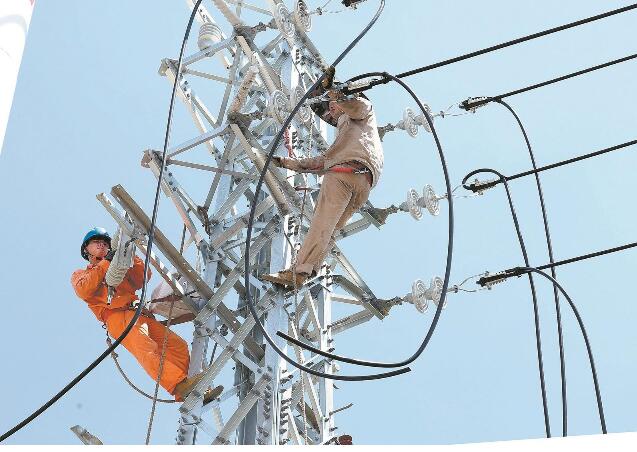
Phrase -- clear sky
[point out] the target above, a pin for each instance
(89, 101)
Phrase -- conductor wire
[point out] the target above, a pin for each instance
(549, 247)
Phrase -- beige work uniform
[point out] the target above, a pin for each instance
(342, 194)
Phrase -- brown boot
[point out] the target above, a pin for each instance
(286, 278)
(185, 386)
(211, 394)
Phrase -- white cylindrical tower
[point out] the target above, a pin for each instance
(15, 17)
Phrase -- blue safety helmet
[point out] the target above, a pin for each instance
(95, 233)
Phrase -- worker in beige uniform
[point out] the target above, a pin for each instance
(351, 166)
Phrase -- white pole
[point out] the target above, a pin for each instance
(15, 17)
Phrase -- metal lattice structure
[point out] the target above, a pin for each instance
(264, 68)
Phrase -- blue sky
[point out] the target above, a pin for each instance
(89, 101)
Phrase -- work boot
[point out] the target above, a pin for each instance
(185, 386)
(211, 394)
(286, 278)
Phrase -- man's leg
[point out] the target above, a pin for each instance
(360, 193)
(145, 349)
(334, 198)
(176, 348)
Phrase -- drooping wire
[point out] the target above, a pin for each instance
(536, 319)
(549, 247)
(445, 285)
(151, 236)
(470, 104)
(598, 396)
(527, 269)
(501, 46)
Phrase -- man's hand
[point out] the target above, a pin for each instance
(328, 80)
(334, 94)
(109, 256)
(277, 161)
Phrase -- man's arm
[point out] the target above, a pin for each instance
(303, 165)
(136, 273)
(86, 282)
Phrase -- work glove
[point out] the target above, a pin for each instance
(277, 161)
(328, 80)
(109, 256)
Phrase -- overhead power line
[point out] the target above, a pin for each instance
(473, 103)
(500, 46)
(481, 186)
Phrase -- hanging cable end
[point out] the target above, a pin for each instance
(473, 103)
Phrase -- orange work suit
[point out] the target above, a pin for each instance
(145, 339)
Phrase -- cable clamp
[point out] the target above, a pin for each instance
(489, 281)
(480, 187)
(473, 103)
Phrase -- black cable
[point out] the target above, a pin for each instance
(598, 396)
(515, 271)
(271, 151)
(536, 319)
(502, 45)
(549, 246)
(149, 247)
(470, 104)
(445, 284)
(519, 271)
(485, 185)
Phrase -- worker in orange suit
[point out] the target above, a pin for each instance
(146, 338)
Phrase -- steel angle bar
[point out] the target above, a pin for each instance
(353, 228)
(173, 190)
(312, 312)
(183, 147)
(230, 351)
(161, 269)
(227, 13)
(309, 386)
(199, 105)
(357, 287)
(230, 201)
(222, 162)
(270, 46)
(274, 186)
(268, 74)
(169, 72)
(341, 298)
(251, 7)
(351, 321)
(242, 411)
(213, 302)
(294, 431)
(207, 76)
(208, 52)
(263, 207)
(212, 169)
(181, 264)
(226, 94)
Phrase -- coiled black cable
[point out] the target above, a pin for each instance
(445, 285)
(549, 247)
(271, 151)
(151, 236)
